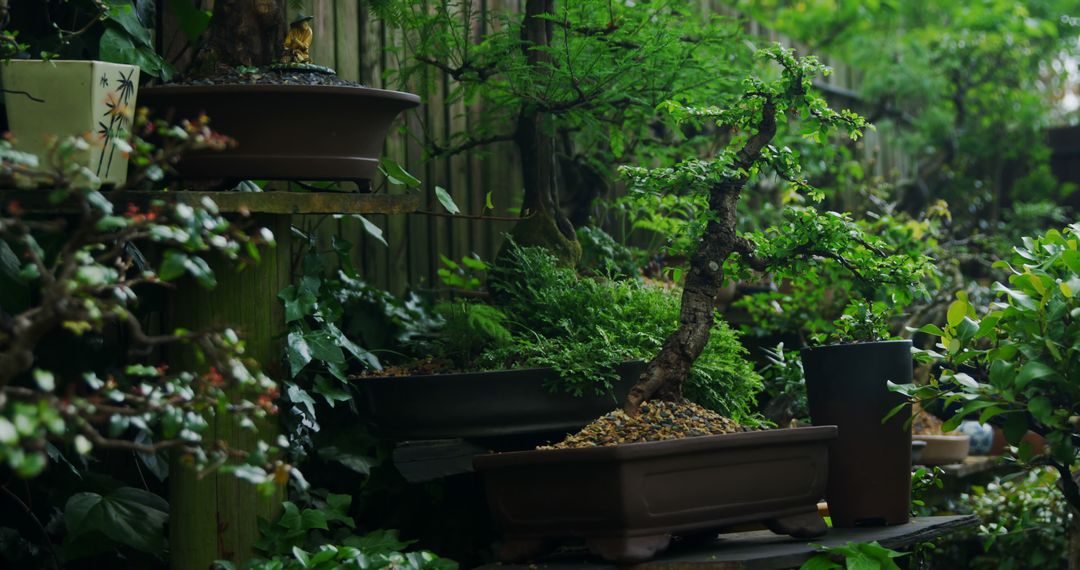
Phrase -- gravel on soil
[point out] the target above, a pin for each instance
(269, 77)
(658, 421)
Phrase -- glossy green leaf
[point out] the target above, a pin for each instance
(1033, 370)
(371, 229)
(395, 174)
(957, 311)
(446, 200)
(191, 20)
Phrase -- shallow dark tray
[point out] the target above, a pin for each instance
(285, 132)
(484, 404)
(627, 501)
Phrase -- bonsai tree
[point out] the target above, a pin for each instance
(1016, 363)
(573, 86)
(73, 280)
(753, 118)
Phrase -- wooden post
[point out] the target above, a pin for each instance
(216, 517)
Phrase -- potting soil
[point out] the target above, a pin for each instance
(658, 421)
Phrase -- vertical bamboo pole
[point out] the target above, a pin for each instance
(216, 518)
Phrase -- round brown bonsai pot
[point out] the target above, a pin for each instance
(285, 132)
(870, 463)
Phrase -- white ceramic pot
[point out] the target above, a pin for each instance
(61, 98)
(943, 449)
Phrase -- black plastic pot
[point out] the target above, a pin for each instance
(870, 462)
(495, 404)
(626, 501)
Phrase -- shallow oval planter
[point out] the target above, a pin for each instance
(943, 449)
(626, 501)
(64, 98)
(285, 132)
(870, 463)
(484, 404)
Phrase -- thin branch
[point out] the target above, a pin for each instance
(438, 151)
(482, 71)
(475, 216)
(30, 513)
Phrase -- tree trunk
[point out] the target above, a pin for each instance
(543, 222)
(243, 32)
(664, 376)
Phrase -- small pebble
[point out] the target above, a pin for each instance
(658, 421)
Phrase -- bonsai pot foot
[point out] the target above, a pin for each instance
(804, 525)
(628, 548)
(517, 549)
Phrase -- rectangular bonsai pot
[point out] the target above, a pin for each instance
(484, 404)
(627, 501)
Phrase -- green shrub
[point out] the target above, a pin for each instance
(323, 537)
(583, 326)
(470, 327)
(1024, 525)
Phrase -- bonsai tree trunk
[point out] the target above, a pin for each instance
(543, 222)
(243, 32)
(664, 376)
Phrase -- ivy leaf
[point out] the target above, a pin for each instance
(128, 516)
(331, 391)
(300, 398)
(298, 304)
(313, 518)
(324, 347)
(297, 352)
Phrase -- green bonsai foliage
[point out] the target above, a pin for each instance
(573, 85)
(1016, 363)
(805, 237)
(825, 301)
(82, 277)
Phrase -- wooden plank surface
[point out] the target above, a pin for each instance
(277, 202)
(763, 550)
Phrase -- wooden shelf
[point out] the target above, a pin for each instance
(275, 202)
(761, 550)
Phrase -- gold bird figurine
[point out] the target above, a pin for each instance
(298, 40)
